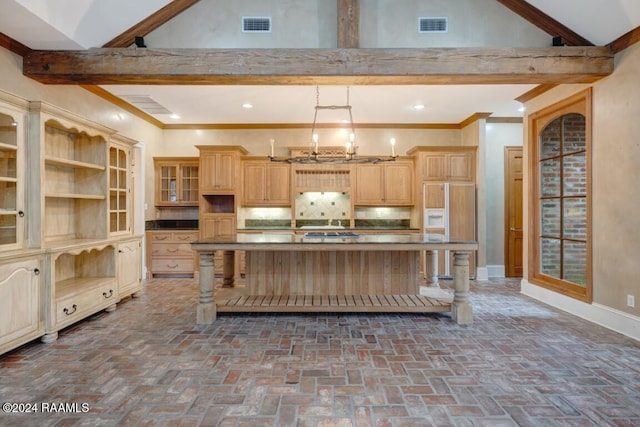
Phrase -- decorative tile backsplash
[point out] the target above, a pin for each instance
(267, 216)
(329, 206)
(372, 213)
(318, 208)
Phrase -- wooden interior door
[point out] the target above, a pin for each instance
(513, 211)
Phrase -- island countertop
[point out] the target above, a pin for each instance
(341, 240)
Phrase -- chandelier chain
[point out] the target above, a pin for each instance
(349, 156)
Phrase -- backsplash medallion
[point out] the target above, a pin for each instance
(331, 208)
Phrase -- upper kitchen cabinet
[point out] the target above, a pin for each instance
(176, 181)
(219, 168)
(12, 171)
(385, 184)
(265, 183)
(446, 163)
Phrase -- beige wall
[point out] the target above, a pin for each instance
(217, 24)
(615, 198)
(393, 23)
(498, 136)
(313, 24)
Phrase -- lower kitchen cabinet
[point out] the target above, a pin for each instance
(169, 252)
(130, 268)
(21, 316)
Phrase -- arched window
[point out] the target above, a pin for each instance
(559, 239)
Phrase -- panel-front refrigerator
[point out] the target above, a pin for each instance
(449, 208)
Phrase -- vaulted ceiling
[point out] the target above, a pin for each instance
(82, 24)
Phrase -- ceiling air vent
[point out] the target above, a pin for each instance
(256, 24)
(145, 103)
(433, 25)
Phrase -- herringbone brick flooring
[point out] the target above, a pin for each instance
(148, 364)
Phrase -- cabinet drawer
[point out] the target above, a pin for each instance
(174, 236)
(184, 236)
(78, 306)
(161, 237)
(177, 250)
(175, 266)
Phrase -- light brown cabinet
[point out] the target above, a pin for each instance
(265, 183)
(448, 196)
(219, 168)
(451, 207)
(385, 184)
(220, 225)
(176, 181)
(458, 165)
(169, 252)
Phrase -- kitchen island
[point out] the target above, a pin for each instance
(329, 272)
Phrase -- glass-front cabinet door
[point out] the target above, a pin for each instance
(169, 184)
(119, 189)
(176, 181)
(11, 181)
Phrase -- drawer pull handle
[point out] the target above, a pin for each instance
(160, 238)
(172, 266)
(108, 295)
(184, 237)
(68, 312)
(173, 251)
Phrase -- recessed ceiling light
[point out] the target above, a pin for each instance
(418, 107)
(521, 109)
(174, 116)
(247, 105)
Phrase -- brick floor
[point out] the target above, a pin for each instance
(147, 364)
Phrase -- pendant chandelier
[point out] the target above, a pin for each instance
(350, 155)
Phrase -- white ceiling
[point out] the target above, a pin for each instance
(81, 24)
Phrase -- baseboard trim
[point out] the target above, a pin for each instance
(608, 317)
(495, 271)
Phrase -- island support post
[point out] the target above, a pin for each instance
(461, 310)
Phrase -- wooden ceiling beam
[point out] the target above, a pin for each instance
(348, 24)
(152, 22)
(320, 66)
(625, 40)
(545, 22)
(13, 45)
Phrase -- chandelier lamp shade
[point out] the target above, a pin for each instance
(350, 148)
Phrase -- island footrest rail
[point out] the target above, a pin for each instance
(334, 303)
